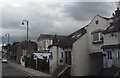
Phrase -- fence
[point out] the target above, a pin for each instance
(38, 64)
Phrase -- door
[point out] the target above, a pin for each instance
(110, 59)
(69, 57)
(65, 57)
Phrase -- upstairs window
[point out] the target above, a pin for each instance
(97, 36)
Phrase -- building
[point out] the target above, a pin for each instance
(25, 48)
(87, 55)
(45, 40)
(13, 51)
(60, 63)
(80, 51)
(111, 45)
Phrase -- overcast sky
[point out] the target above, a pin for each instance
(62, 18)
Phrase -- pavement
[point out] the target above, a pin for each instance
(29, 71)
(8, 70)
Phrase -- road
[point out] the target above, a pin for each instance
(8, 70)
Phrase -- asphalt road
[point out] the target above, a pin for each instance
(8, 71)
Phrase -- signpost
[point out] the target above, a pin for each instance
(35, 58)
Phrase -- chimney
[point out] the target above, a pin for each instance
(117, 12)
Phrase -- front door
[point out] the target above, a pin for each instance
(69, 57)
(110, 59)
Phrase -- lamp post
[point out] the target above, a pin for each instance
(8, 35)
(2, 41)
(27, 26)
(23, 22)
(8, 54)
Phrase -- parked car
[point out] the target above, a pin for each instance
(4, 60)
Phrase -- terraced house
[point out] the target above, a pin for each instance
(111, 46)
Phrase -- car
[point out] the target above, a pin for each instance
(4, 60)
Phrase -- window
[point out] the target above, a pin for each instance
(73, 36)
(61, 54)
(96, 22)
(51, 41)
(50, 56)
(97, 37)
(109, 54)
(78, 35)
(118, 54)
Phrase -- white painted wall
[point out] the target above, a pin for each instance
(109, 40)
(80, 57)
(84, 46)
(56, 54)
(103, 24)
(115, 59)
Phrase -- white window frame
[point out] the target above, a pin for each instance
(99, 37)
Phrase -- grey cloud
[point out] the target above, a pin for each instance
(41, 20)
(86, 10)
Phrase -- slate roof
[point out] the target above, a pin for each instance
(49, 36)
(70, 39)
(105, 17)
(67, 41)
(115, 25)
(25, 43)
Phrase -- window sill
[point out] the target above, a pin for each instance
(97, 42)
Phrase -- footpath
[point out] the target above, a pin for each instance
(29, 71)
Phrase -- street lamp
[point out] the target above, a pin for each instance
(2, 41)
(27, 35)
(8, 35)
(27, 26)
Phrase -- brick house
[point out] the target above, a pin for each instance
(25, 48)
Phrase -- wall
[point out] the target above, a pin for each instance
(20, 50)
(80, 57)
(44, 43)
(82, 61)
(96, 63)
(102, 24)
(115, 59)
(109, 40)
(56, 54)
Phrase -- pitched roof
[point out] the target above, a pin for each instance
(50, 36)
(114, 27)
(25, 43)
(70, 39)
(105, 17)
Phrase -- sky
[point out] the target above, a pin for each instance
(61, 18)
